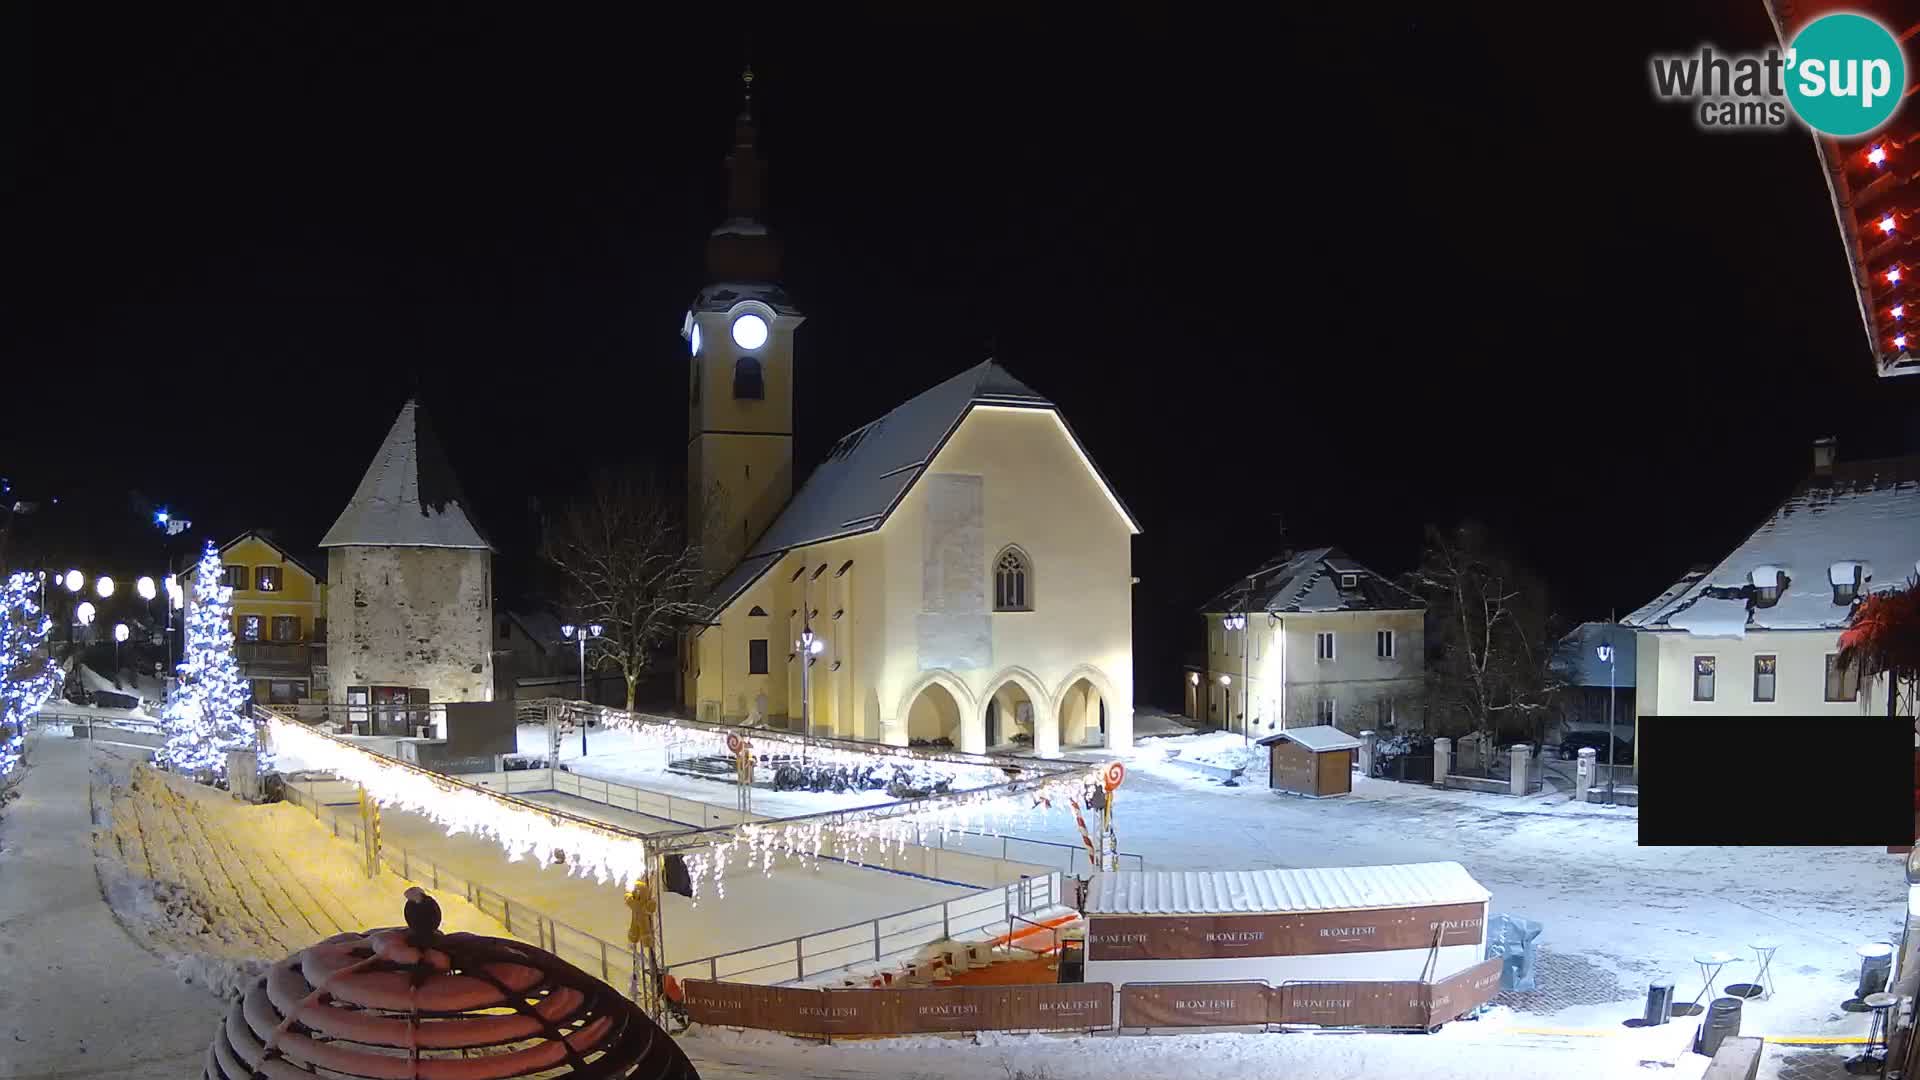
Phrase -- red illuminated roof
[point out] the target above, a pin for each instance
(1875, 183)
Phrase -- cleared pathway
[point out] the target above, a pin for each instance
(78, 998)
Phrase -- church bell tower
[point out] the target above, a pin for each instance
(739, 332)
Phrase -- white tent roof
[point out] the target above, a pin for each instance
(1338, 888)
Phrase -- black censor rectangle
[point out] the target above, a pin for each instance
(1776, 781)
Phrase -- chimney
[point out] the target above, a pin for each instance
(1824, 451)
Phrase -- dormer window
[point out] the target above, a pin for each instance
(1767, 583)
(1846, 578)
(1349, 581)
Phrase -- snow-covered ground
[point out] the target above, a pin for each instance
(160, 1028)
(1617, 916)
(1462, 1051)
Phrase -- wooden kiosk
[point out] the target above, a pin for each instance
(1315, 761)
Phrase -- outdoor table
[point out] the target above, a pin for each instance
(1875, 1051)
(1710, 965)
(1761, 987)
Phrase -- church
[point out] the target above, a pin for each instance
(958, 572)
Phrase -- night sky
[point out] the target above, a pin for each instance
(1349, 273)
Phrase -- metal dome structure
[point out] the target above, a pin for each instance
(412, 1003)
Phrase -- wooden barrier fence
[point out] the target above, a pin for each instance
(1091, 1006)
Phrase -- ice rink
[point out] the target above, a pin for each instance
(755, 910)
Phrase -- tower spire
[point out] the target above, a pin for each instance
(740, 249)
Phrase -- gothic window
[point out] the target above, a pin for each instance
(747, 382)
(694, 397)
(1012, 581)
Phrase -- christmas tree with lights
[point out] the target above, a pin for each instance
(206, 714)
(27, 676)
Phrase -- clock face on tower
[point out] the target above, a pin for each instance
(693, 339)
(750, 332)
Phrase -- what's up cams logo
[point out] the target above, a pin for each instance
(1842, 75)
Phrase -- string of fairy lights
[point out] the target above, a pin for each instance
(610, 854)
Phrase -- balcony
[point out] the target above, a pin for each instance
(262, 658)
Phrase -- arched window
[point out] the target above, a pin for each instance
(747, 382)
(1012, 581)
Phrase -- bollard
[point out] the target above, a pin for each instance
(1442, 761)
(1519, 756)
(1365, 754)
(1583, 774)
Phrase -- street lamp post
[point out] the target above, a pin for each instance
(809, 646)
(580, 634)
(1606, 657)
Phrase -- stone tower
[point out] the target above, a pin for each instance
(410, 581)
(740, 333)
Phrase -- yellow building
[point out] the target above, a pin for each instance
(279, 618)
(961, 569)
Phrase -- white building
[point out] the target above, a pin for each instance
(1759, 632)
(963, 568)
(1311, 638)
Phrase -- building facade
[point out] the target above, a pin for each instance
(1759, 632)
(279, 618)
(961, 568)
(1311, 638)
(410, 589)
(1600, 693)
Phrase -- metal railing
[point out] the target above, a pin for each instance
(875, 940)
(615, 963)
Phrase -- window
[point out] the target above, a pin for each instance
(1384, 709)
(1349, 581)
(266, 578)
(251, 627)
(319, 629)
(233, 577)
(748, 385)
(1383, 644)
(758, 612)
(1843, 683)
(1323, 645)
(1215, 637)
(1763, 677)
(757, 656)
(1012, 581)
(282, 692)
(286, 628)
(1703, 678)
(506, 628)
(1325, 710)
(1845, 578)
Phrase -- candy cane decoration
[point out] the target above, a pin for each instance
(1085, 837)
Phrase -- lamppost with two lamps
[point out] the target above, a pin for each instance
(580, 634)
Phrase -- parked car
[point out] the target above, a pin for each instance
(1577, 741)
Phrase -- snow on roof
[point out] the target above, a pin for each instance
(1766, 577)
(1340, 888)
(1640, 615)
(740, 227)
(409, 497)
(1863, 512)
(869, 471)
(1317, 738)
(1309, 581)
(722, 295)
(1578, 659)
(1846, 573)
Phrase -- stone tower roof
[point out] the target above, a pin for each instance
(409, 497)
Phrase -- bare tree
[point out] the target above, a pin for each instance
(625, 562)
(1491, 637)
